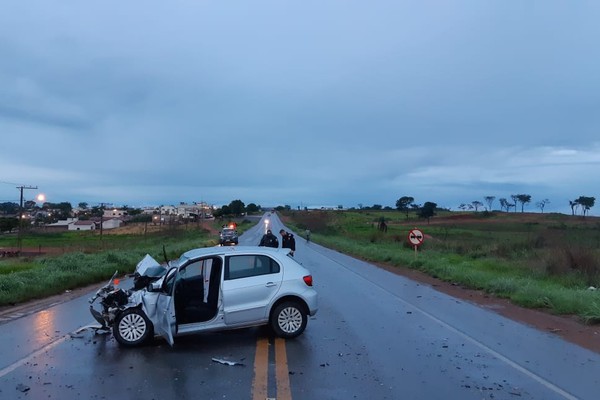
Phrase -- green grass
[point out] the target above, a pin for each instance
(25, 279)
(88, 258)
(524, 258)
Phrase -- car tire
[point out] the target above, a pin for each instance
(288, 319)
(132, 328)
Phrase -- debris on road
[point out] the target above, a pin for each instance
(227, 362)
(23, 388)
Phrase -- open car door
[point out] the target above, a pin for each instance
(165, 312)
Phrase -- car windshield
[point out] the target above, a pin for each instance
(228, 232)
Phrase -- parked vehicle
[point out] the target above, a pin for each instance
(210, 289)
(228, 236)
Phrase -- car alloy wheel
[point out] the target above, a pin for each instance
(289, 320)
(132, 327)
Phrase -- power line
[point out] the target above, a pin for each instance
(11, 183)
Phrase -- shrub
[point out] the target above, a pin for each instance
(574, 259)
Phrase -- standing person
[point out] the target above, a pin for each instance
(269, 240)
(307, 233)
(288, 241)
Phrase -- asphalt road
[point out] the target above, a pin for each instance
(377, 335)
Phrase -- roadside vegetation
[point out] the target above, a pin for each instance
(543, 261)
(70, 260)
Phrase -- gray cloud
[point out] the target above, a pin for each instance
(312, 103)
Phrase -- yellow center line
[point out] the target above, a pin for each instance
(282, 375)
(261, 370)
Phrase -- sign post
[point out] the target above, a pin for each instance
(416, 237)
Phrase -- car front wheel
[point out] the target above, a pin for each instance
(132, 328)
(288, 320)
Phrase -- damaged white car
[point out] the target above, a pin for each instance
(209, 289)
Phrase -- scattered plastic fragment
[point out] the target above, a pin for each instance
(22, 388)
(227, 362)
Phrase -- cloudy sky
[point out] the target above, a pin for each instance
(306, 103)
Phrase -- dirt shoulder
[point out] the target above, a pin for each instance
(567, 327)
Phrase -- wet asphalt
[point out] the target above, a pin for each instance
(377, 335)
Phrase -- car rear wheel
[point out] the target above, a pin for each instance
(288, 320)
(132, 328)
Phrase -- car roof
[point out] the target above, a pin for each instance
(227, 250)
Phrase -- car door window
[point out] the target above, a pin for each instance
(244, 266)
(169, 281)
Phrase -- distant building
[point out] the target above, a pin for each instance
(111, 223)
(114, 213)
(82, 226)
(61, 225)
(107, 223)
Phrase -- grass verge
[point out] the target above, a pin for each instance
(28, 279)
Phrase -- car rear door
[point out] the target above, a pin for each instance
(249, 286)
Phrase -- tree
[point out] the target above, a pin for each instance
(237, 207)
(573, 204)
(252, 208)
(585, 203)
(134, 211)
(476, 204)
(60, 210)
(8, 224)
(225, 210)
(142, 218)
(83, 205)
(515, 198)
(427, 211)
(542, 204)
(377, 207)
(489, 200)
(9, 208)
(404, 204)
(523, 199)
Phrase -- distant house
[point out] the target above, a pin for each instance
(61, 225)
(111, 223)
(82, 226)
(114, 213)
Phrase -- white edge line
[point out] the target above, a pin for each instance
(23, 361)
(549, 385)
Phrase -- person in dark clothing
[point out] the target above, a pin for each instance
(269, 240)
(288, 241)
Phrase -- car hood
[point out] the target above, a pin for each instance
(148, 266)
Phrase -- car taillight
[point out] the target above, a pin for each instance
(307, 280)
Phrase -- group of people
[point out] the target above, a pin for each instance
(287, 240)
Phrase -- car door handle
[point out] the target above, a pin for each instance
(270, 284)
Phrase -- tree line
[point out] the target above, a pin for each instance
(582, 204)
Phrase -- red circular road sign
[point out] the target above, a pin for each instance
(416, 237)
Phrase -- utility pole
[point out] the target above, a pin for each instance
(101, 219)
(21, 188)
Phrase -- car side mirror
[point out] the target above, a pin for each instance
(154, 287)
